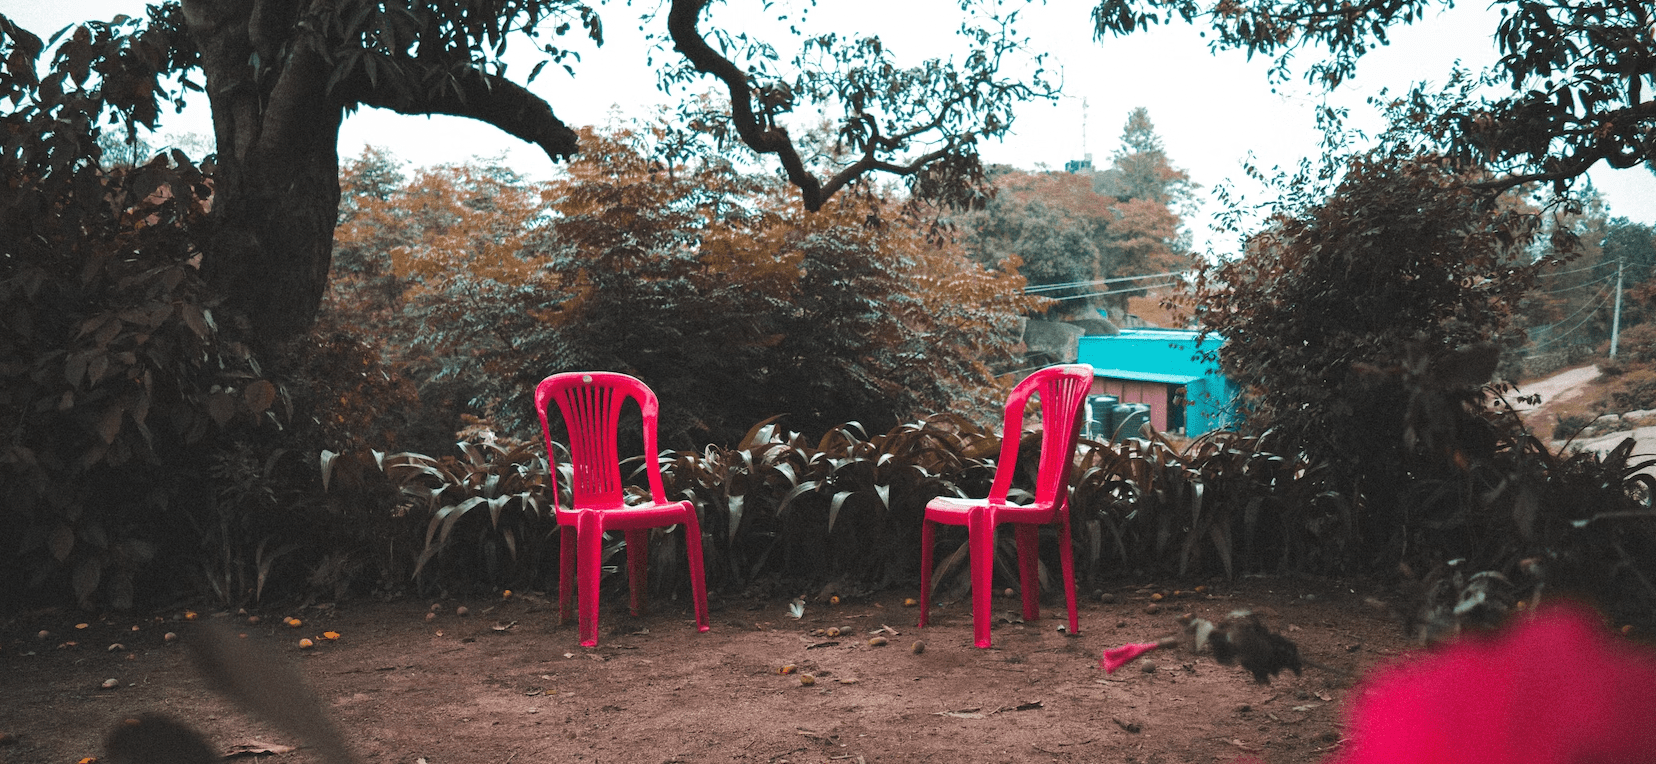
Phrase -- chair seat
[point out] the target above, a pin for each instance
(633, 516)
(950, 510)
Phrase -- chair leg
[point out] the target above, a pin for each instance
(638, 566)
(1066, 560)
(927, 531)
(980, 530)
(1029, 568)
(566, 570)
(589, 537)
(698, 578)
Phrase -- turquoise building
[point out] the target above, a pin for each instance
(1165, 370)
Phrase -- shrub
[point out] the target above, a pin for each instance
(1633, 391)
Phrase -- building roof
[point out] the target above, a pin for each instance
(1157, 355)
(1146, 376)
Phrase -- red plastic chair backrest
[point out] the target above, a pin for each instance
(590, 402)
(1062, 390)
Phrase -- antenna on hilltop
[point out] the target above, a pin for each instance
(1084, 127)
(1085, 162)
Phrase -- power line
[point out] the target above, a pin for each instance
(1097, 282)
(1107, 292)
(1597, 302)
(1599, 264)
(1599, 280)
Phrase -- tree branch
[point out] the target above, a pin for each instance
(683, 19)
(480, 96)
(1620, 153)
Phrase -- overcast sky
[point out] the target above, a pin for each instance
(1213, 111)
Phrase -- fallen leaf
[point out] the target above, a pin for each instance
(974, 712)
(504, 626)
(257, 748)
(1029, 706)
(1127, 725)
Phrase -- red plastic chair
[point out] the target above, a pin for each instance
(591, 405)
(1062, 389)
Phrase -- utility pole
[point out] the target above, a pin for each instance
(1615, 320)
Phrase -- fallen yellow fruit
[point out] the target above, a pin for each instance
(330, 635)
(306, 644)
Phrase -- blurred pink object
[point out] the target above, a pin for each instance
(1555, 689)
(1116, 657)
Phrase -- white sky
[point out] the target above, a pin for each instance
(1213, 112)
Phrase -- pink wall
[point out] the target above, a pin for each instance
(1129, 391)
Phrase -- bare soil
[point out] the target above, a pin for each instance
(508, 683)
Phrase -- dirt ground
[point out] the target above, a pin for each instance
(507, 683)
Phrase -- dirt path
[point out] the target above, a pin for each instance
(507, 684)
(1566, 393)
(1559, 388)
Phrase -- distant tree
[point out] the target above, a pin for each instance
(1053, 224)
(1071, 231)
(1140, 170)
(1582, 74)
(701, 280)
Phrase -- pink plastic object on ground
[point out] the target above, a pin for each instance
(1062, 389)
(1555, 689)
(1116, 657)
(591, 405)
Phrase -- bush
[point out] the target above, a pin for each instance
(1634, 390)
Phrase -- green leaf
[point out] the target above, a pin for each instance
(787, 500)
(734, 509)
(834, 507)
(88, 572)
(258, 396)
(61, 542)
(328, 459)
(110, 426)
(221, 407)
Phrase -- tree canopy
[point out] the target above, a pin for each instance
(702, 279)
(280, 76)
(1072, 230)
(1581, 75)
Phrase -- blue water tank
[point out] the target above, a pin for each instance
(1099, 414)
(1128, 418)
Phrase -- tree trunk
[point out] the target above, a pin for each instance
(276, 185)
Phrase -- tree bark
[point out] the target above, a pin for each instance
(276, 184)
(278, 100)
